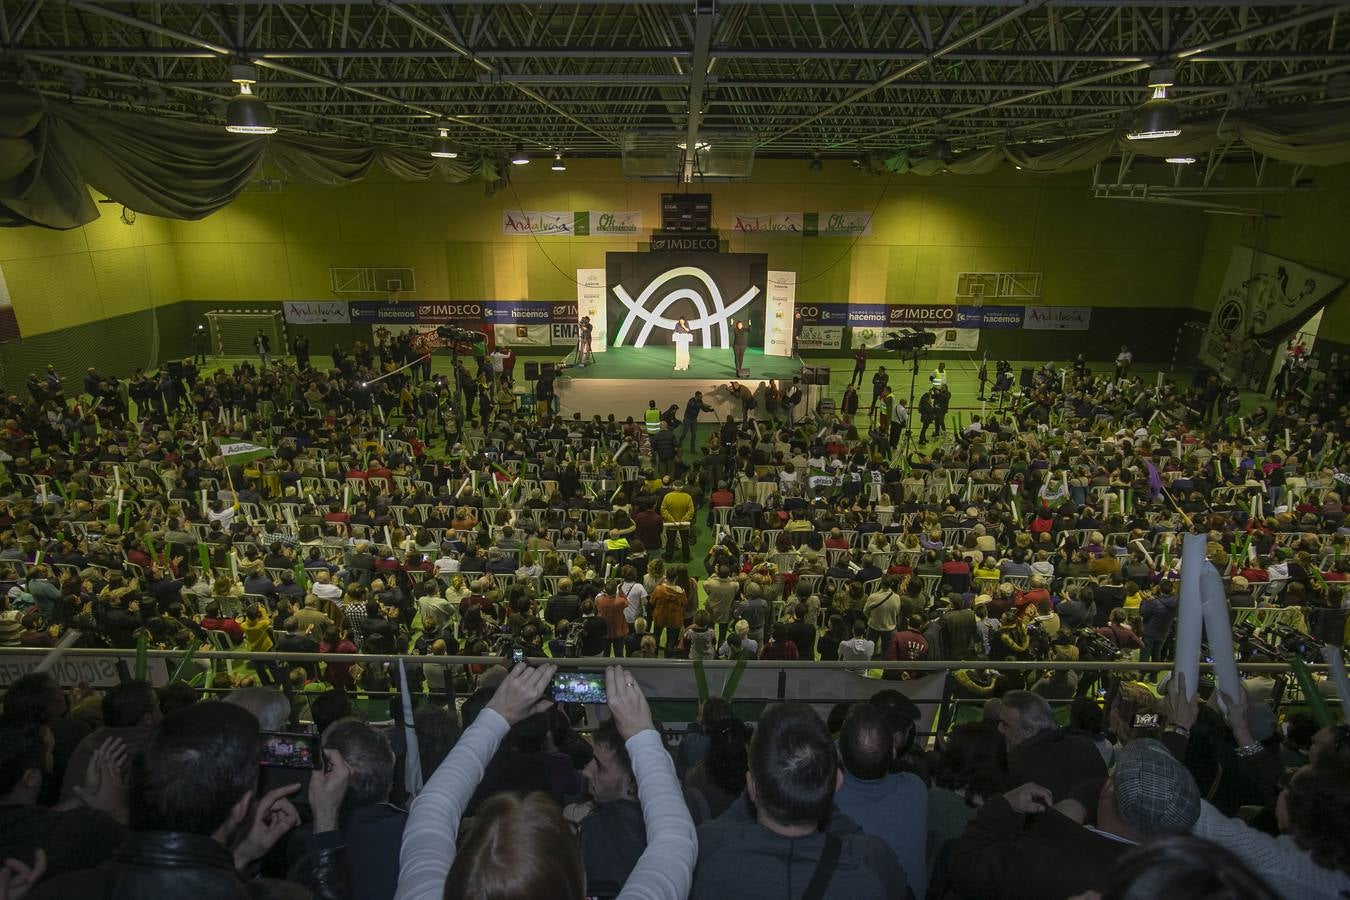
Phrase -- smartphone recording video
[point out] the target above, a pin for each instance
(290, 751)
(578, 687)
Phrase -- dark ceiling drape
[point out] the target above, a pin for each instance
(51, 153)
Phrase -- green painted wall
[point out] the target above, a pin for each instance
(1136, 263)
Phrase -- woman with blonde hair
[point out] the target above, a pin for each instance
(519, 847)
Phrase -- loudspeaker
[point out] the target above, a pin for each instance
(819, 375)
(548, 368)
(1028, 377)
(531, 371)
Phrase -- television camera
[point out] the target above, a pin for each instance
(908, 341)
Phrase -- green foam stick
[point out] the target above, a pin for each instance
(140, 657)
(729, 689)
(1316, 704)
(701, 682)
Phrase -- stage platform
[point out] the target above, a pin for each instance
(623, 379)
(659, 362)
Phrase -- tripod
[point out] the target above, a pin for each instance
(909, 424)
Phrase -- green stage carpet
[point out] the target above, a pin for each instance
(658, 362)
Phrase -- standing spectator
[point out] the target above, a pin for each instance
(890, 805)
(262, 345)
(777, 844)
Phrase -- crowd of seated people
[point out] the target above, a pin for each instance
(1052, 533)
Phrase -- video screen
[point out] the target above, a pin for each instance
(579, 687)
(290, 751)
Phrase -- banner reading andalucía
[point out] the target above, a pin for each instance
(586, 223)
(804, 224)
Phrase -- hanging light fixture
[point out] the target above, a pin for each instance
(558, 164)
(519, 157)
(441, 148)
(1181, 160)
(246, 113)
(1159, 117)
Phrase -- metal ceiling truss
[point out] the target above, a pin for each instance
(798, 77)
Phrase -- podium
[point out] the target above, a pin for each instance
(681, 342)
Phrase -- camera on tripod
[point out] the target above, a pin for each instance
(455, 333)
(909, 340)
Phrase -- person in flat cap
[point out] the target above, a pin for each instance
(1024, 845)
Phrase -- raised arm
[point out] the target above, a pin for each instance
(665, 871)
(433, 822)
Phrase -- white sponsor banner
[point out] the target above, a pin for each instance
(779, 304)
(1263, 299)
(564, 334)
(790, 223)
(591, 304)
(964, 339)
(820, 337)
(538, 222)
(610, 223)
(1057, 318)
(316, 312)
(847, 223)
(99, 671)
(523, 335)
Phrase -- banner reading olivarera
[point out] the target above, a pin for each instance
(567, 223)
(804, 224)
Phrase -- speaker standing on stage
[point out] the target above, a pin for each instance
(584, 330)
(681, 338)
(739, 341)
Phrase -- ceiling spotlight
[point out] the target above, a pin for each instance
(816, 164)
(441, 148)
(1181, 160)
(519, 157)
(558, 165)
(246, 114)
(1159, 117)
(699, 146)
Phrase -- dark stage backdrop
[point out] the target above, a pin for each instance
(647, 292)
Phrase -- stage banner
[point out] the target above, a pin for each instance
(1057, 318)
(591, 303)
(647, 292)
(989, 316)
(779, 307)
(315, 312)
(1263, 300)
(523, 335)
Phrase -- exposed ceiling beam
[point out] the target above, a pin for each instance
(705, 12)
(905, 71)
(441, 37)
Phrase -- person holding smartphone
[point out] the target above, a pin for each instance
(548, 860)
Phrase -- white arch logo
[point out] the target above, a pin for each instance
(653, 318)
